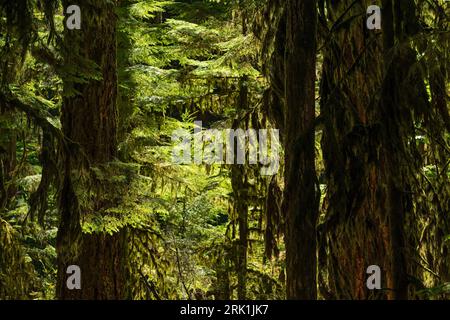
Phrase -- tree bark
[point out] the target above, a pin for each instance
(89, 119)
(402, 87)
(355, 234)
(240, 191)
(300, 198)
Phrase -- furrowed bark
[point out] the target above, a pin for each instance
(89, 119)
(300, 177)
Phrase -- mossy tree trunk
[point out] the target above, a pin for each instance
(8, 163)
(368, 122)
(356, 232)
(403, 87)
(241, 190)
(89, 119)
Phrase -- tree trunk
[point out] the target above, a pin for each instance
(402, 88)
(241, 194)
(357, 227)
(8, 163)
(300, 198)
(89, 119)
(366, 153)
(242, 211)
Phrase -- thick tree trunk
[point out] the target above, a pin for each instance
(89, 119)
(300, 198)
(357, 227)
(402, 87)
(441, 256)
(365, 153)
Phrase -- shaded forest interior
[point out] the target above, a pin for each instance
(354, 176)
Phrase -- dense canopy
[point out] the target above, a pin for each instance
(224, 149)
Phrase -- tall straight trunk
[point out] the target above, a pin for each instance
(89, 119)
(438, 86)
(365, 148)
(274, 99)
(300, 198)
(402, 88)
(240, 191)
(356, 232)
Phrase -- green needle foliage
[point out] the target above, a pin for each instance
(379, 139)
